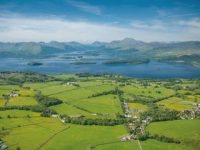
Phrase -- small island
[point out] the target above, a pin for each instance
(35, 63)
(126, 61)
(83, 63)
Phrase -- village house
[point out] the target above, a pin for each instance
(126, 138)
(14, 95)
(3, 146)
(55, 115)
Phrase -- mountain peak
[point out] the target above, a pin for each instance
(129, 39)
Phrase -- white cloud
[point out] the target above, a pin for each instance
(154, 25)
(85, 7)
(195, 22)
(32, 29)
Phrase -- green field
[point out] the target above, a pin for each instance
(177, 104)
(18, 114)
(22, 101)
(98, 112)
(70, 110)
(29, 133)
(80, 137)
(138, 107)
(108, 104)
(6, 89)
(156, 145)
(149, 92)
(188, 131)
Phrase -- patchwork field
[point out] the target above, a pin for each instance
(103, 112)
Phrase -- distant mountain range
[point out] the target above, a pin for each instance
(188, 51)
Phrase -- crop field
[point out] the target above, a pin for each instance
(138, 107)
(177, 104)
(18, 114)
(21, 101)
(25, 92)
(193, 98)
(99, 113)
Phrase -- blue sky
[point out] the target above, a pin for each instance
(103, 20)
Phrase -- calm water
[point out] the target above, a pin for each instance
(57, 66)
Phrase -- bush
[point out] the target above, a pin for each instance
(47, 101)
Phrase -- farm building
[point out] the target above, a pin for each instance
(126, 138)
(14, 95)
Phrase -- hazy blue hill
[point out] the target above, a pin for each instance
(188, 51)
(126, 44)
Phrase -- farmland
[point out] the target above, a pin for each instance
(185, 130)
(99, 112)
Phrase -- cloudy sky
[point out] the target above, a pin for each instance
(102, 20)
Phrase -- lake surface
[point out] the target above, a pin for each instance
(152, 69)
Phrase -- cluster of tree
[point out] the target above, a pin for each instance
(103, 93)
(139, 99)
(101, 122)
(114, 92)
(160, 99)
(47, 101)
(80, 108)
(147, 100)
(158, 114)
(71, 79)
(45, 111)
(20, 77)
(143, 137)
(36, 108)
(146, 135)
(89, 75)
(164, 139)
(111, 76)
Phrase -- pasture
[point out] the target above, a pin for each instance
(149, 92)
(70, 110)
(157, 145)
(98, 137)
(177, 104)
(21, 101)
(187, 131)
